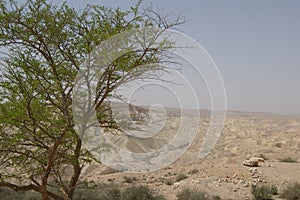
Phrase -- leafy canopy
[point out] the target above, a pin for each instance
(44, 45)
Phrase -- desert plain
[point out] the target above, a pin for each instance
(274, 138)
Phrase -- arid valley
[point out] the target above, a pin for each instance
(273, 138)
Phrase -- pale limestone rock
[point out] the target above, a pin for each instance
(253, 162)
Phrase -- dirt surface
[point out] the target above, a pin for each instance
(274, 138)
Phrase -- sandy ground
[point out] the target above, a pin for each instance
(222, 173)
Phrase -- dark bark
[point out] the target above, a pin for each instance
(76, 168)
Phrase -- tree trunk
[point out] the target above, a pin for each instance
(44, 193)
(76, 168)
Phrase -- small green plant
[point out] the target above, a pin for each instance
(291, 192)
(288, 160)
(188, 194)
(264, 192)
(140, 193)
(180, 177)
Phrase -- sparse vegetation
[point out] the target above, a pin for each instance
(99, 193)
(88, 194)
(9, 194)
(288, 160)
(264, 192)
(216, 198)
(140, 193)
(129, 179)
(188, 194)
(194, 171)
(113, 194)
(168, 181)
(291, 192)
(180, 177)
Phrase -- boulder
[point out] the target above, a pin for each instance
(259, 159)
(253, 162)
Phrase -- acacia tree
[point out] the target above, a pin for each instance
(44, 47)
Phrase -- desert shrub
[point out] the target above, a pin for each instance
(291, 192)
(188, 194)
(32, 196)
(86, 194)
(180, 177)
(99, 192)
(263, 192)
(168, 181)
(129, 179)
(159, 197)
(216, 198)
(9, 194)
(194, 171)
(106, 192)
(288, 160)
(112, 194)
(140, 193)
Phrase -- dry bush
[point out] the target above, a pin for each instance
(180, 177)
(189, 194)
(264, 192)
(291, 192)
(288, 160)
(140, 193)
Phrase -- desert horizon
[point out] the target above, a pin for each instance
(149, 100)
(246, 135)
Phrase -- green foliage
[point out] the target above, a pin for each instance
(46, 45)
(140, 193)
(264, 192)
(291, 192)
(188, 194)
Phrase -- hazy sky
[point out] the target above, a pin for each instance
(255, 44)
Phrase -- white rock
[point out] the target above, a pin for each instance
(253, 162)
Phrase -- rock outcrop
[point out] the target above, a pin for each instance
(253, 162)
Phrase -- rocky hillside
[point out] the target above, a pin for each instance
(273, 138)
